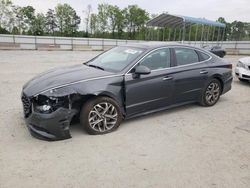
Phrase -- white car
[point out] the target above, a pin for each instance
(242, 69)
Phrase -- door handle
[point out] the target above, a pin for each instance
(203, 72)
(167, 78)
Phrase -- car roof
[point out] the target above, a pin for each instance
(153, 45)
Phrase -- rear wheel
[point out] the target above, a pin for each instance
(211, 93)
(100, 115)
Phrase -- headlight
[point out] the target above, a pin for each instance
(44, 104)
(242, 65)
(43, 109)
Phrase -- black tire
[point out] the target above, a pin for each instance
(92, 111)
(207, 92)
(243, 80)
(223, 54)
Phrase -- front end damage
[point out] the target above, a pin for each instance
(49, 117)
(51, 106)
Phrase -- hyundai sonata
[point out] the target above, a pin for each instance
(124, 82)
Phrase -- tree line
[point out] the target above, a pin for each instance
(109, 21)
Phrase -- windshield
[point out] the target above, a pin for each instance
(116, 59)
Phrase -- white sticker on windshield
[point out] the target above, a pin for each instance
(131, 51)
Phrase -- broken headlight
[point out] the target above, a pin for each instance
(43, 109)
(44, 104)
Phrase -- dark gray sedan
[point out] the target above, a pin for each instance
(124, 82)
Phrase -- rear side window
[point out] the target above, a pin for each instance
(204, 56)
(185, 56)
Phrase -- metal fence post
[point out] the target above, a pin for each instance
(36, 43)
(180, 34)
(196, 32)
(213, 33)
(163, 34)
(184, 32)
(189, 37)
(103, 44)
(208, 32)
(169, 34)
(218, 36)
(14, 40)
(174, 33)
(202, 32)
(223, 35)
(72, 46)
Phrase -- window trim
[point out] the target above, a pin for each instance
(151, 52)
(173, 61)
(176, 62)
(200, 55)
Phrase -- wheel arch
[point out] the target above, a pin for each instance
(219, 78)
(86, 97)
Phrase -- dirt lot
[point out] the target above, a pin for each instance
(190, 146)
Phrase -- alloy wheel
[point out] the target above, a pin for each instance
(212, 93)
(103, 117)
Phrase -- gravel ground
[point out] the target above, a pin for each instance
(189, 146)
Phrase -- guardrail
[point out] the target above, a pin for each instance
(23, 42)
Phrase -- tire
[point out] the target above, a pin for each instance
(100, 115)
(223, 54)
(243, 80)
(211, 93)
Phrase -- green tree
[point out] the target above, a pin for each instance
(6, 14)
(51, 21)
(136, 18)
(27, 17)
(116, 20)
(237, 30)
(87, 18)
(227, 29)
(68, 20)
(39, 24)
(93, 23)
(103, 17)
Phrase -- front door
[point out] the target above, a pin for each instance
(152, 91)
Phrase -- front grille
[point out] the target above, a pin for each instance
(26, 105)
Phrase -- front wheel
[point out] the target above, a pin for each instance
(100, 115)
(211, 93)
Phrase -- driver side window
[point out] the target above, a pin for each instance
(158, 59)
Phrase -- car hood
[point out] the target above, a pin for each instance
(245, 60)
(62, 76)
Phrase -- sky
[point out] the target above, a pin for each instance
(210, 9)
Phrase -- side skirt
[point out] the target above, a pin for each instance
(159, 109)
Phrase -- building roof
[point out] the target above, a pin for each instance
(175, 21)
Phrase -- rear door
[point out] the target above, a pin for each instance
(191, 74)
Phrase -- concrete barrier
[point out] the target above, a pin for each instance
(23, 42)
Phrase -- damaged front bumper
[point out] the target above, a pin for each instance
(48, 126)
(53, 126)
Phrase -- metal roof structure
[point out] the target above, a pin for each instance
(183, 23)
(175, 21)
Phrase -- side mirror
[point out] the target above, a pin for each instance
(142, 70)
